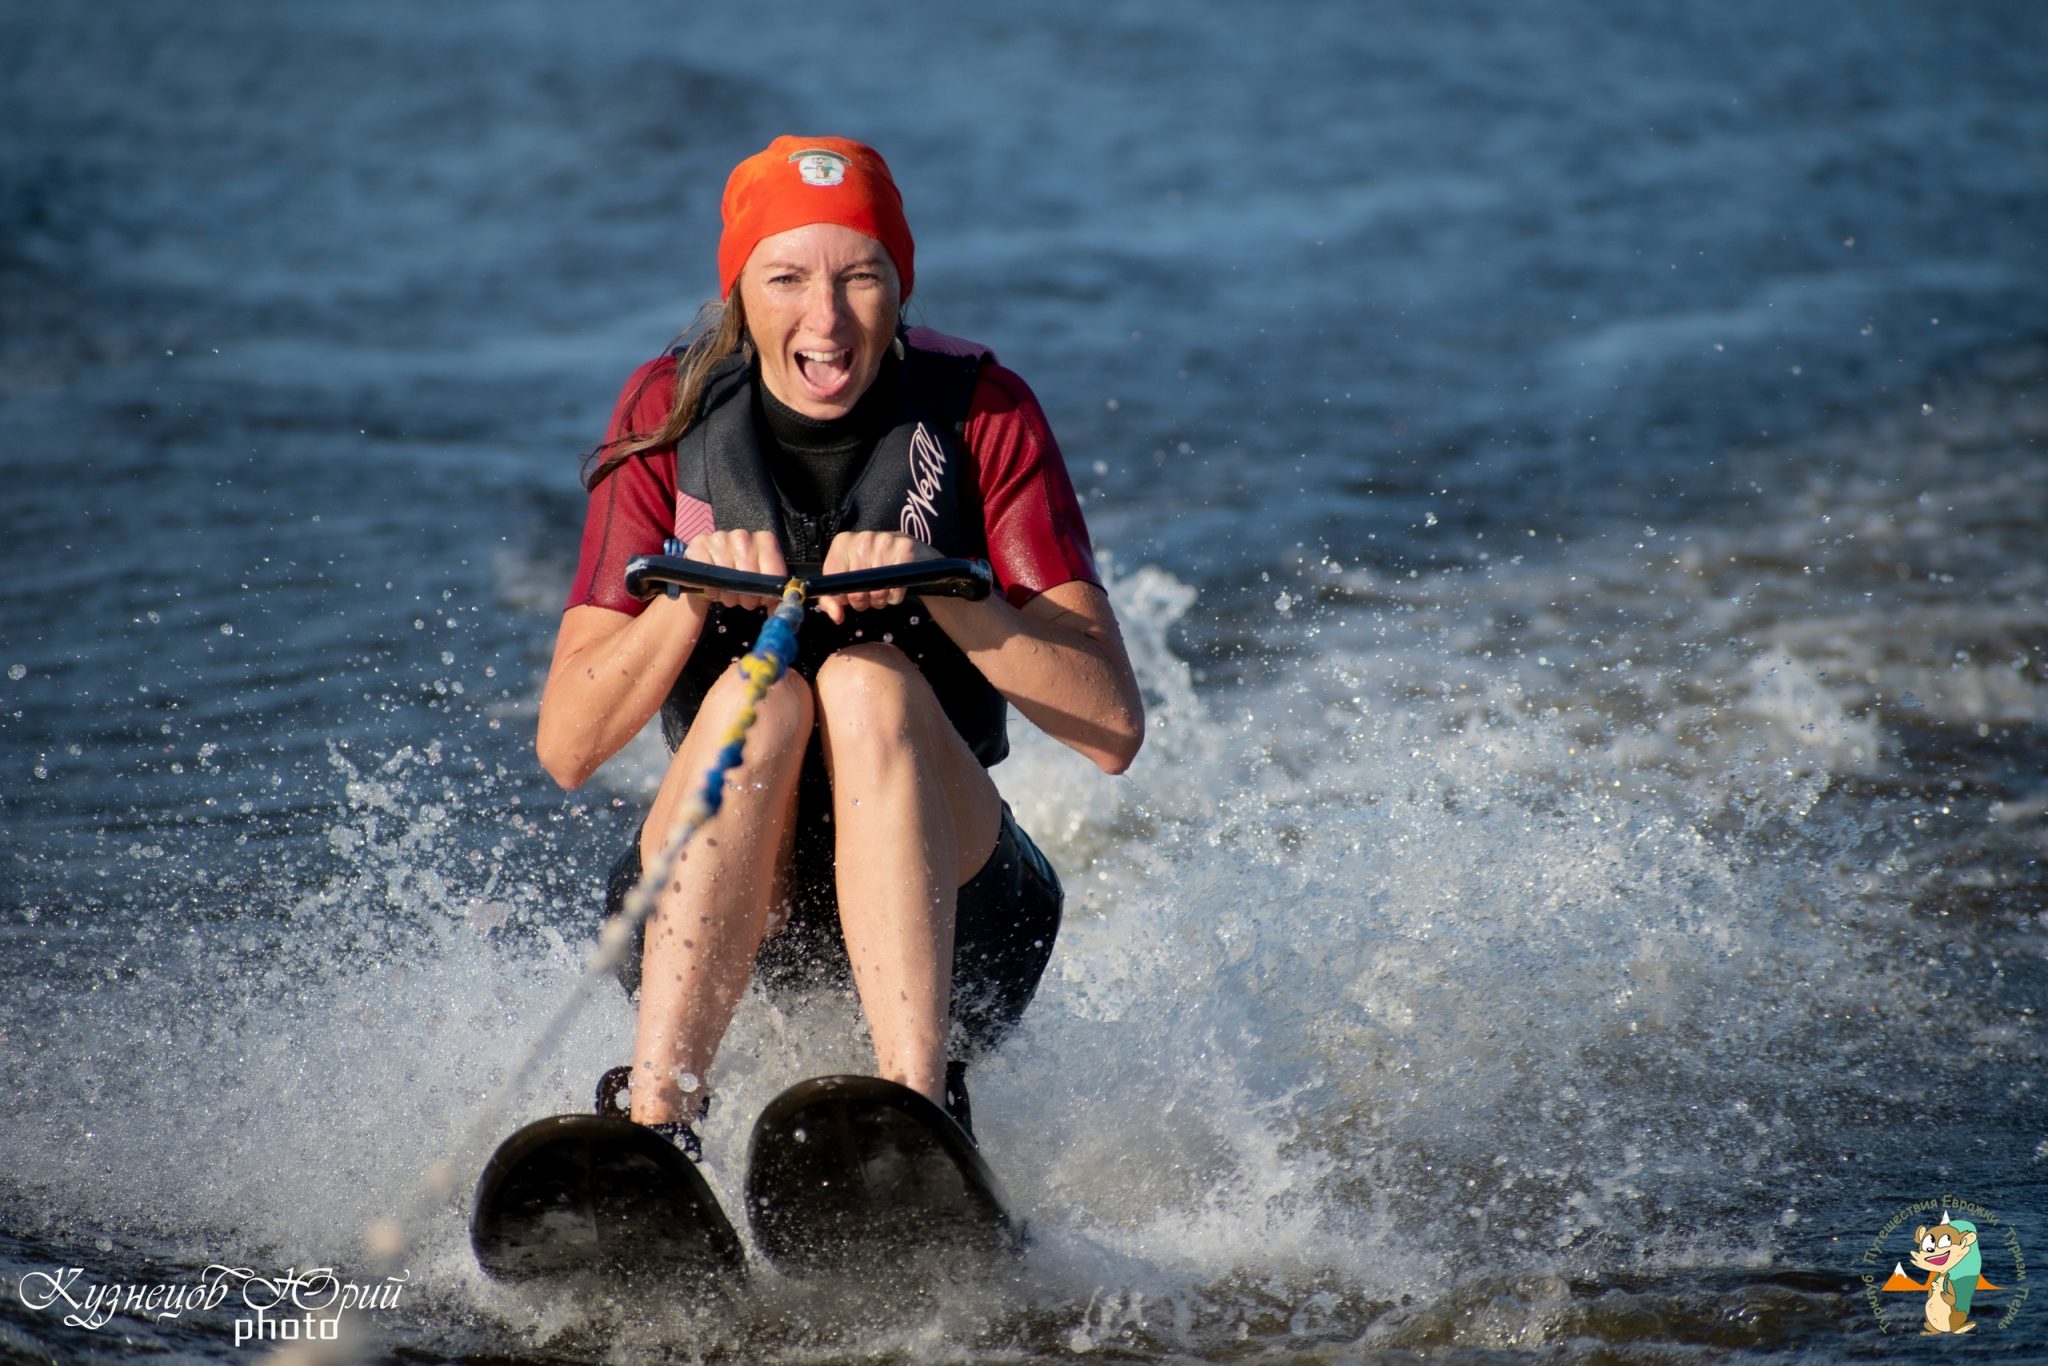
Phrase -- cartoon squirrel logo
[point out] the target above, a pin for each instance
(1948, 1253)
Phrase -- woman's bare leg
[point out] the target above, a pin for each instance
(915, 815)
(712, 915)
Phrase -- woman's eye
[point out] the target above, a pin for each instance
(1946, 1241)
(1927, 1245)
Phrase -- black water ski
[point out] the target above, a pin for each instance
(849, 1174)
(592, 1197)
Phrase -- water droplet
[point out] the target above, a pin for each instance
(384, 1240)
(17, 672)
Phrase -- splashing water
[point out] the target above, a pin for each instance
(1345, 974)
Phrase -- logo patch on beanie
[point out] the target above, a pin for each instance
(820, 168)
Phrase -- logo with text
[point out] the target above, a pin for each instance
(1956, 1268)
(927, 478)
(819, 167)
(293, 1306)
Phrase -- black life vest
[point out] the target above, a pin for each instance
(918, 480)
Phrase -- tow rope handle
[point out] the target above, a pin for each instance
(647, 575)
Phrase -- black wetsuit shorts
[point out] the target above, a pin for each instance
(1003, 930)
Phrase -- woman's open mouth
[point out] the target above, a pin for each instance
(825, 373)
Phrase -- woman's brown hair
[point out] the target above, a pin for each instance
(719, 330)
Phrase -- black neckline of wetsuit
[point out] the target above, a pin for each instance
(815, 462)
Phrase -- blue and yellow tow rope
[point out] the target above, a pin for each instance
(762, 666)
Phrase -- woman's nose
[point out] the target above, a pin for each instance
(823, 305)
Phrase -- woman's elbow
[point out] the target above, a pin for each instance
(569, 765)
(1121, 745)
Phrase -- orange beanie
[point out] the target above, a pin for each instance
(797, 181)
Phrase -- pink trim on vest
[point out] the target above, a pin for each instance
(693, 518)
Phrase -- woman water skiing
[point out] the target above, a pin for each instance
(802, 423)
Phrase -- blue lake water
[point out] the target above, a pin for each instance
(1573, 478)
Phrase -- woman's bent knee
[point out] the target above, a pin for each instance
(773, 756)
(873, 695)
(782, 719)
(859, 668)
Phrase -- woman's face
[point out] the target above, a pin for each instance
(821, 304)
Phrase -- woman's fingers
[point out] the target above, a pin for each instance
(852, 550)
(751, 552)
(758, 552)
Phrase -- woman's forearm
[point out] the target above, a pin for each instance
(1059, 660)
(611, 672)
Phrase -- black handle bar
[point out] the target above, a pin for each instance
(647, 575)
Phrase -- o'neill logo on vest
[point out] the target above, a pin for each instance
(927, 468)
